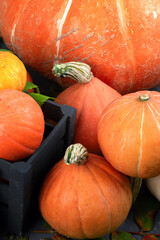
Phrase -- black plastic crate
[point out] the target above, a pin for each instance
(20, 181)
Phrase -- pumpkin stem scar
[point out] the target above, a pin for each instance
(144, 97)
(76, 153)
(80, 72)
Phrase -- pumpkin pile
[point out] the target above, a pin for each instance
(22, 120)
(87, 194)
(124, 126)
(121, 126)
(22, 124)
(87, 181)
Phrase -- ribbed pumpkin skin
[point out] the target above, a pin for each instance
(21, 125)
(13, 74)
(90, 100)
(87, 201)
(129, 134)
(118, 39)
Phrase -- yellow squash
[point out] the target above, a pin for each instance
(13, 74)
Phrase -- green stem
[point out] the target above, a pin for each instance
(144, 97)
(76, 153)
(80, 72)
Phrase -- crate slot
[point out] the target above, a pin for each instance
(4, 192)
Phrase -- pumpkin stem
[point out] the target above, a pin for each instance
(80, 72)
(76, 153)
(144, 97)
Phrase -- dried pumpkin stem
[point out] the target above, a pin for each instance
(144, 97)
(80, 72)
(76, 153)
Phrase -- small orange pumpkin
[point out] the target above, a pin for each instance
(21, 125)
(89, 96)
(129, 134)
(13, 74)
(83, 196)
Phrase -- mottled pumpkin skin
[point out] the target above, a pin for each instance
(21, 125)
(13, 74)
(87, 201)
(118, 39)
(90, 100)
(129, 134)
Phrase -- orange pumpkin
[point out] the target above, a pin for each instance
(118, 39)
(89, 96)
(129, 134)
(21, 125)
(83, 196)
(13, 74)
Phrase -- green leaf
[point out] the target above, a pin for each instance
(30, 85)
(145, 208)
(149, 237)
(40, 98)
(5, 50)
(121, 235)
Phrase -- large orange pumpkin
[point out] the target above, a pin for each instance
(83, 196)
(89, 96)
(129, 134)
(21, 125)
(13, 74)
(118, 39)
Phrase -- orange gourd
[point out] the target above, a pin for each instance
(21, 125)
(118, 39)
(83, 196)
(129, 134)
(89, 96)
(13, 74)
